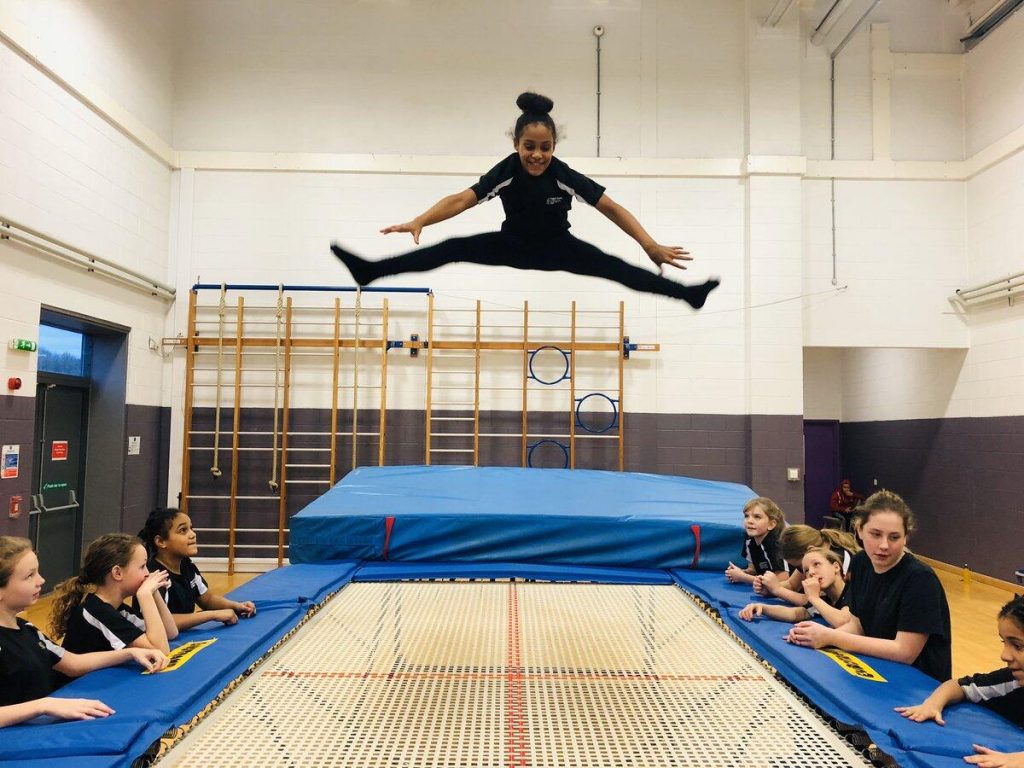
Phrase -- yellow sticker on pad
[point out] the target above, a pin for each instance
(852, 664)
(183, 653)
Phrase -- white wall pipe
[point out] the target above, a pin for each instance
(51, 246)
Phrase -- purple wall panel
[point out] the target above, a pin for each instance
(960, 476)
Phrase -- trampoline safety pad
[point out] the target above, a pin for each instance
(466, 674)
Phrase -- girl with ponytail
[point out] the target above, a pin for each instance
(90, 608)
(32, 666)
(536, 191)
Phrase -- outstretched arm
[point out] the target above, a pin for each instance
(989, 758)
(626, 221)
(445, 208)
(62, 709)
(931, 708)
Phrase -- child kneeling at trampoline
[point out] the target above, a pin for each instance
(1001, 691)
(763, 521)
(31, 665)
(171, 542)
(823, 588)
(898, 609)
(90, 608)
(794, 542)
(536, 191)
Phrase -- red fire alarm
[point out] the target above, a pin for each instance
(15, 510)
(14, 383)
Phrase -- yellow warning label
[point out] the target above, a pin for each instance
(183, 653)
(852, 664)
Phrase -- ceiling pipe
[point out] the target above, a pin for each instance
(776, 14)
(829, 20)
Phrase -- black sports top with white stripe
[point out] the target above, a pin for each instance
(96, 626)
(1000, 691)
(536, 207)
(27, 657)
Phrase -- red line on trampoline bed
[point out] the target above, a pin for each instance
(696, 550)
(389, 524)
(610, 677)
(515, 735)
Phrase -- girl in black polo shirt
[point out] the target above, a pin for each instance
(90, 608)
(171, 542)
(1001, 691)
(536, 191)
(31, 665)
(899, 609)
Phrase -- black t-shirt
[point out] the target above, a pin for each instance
(186, 587)
(906, 598)
(27, 657)
(96, 626)
(765, 556)
(1000, 691)
(536, 207)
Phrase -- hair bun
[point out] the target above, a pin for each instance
(534, 103)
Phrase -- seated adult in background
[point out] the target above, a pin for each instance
(844, 502)
(897, 604)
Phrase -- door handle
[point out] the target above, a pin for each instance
(37, 499)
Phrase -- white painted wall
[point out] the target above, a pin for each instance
(900, 255)
(994, 95)
(123, 49)
(994, 369)
(69, 174)
(682, 79)
(823, 383)
(441, 79)
(894, 384)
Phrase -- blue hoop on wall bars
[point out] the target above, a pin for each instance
(565, 452)
(612, 424)
(565, 358)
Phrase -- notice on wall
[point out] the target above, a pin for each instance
(59, 450)
(9, 462)
(134, 445)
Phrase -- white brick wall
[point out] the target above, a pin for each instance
(993, 93)
(67, 173)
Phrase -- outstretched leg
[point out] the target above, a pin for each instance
(492, 248)
(582, 258)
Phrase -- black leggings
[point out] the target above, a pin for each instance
(563, 252)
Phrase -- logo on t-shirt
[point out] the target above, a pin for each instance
(554, 200)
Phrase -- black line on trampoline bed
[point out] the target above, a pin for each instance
(853, 734)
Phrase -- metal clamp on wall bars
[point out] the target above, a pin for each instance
(69, 254)
(1004, 288)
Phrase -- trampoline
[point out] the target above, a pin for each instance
(507, 618)
(453, 675)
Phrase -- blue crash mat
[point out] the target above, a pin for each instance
(508, 514)
(147, 705)
(849, 695)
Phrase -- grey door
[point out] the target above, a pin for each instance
(58, 472)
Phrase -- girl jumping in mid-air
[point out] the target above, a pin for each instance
(536, 191)
(823, 586)
(171, 542)
(90, 609)
(32, 666)
(1001, 691)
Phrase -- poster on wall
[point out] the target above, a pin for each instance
(9, 466)
(59, 450)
